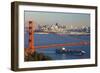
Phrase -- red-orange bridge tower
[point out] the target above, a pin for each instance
(31, 28)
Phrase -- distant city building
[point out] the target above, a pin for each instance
(62, 28)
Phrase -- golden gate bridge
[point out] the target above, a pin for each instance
(31, 48)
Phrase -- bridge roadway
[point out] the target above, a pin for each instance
(61, 45)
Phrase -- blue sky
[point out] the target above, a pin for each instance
(48, 18)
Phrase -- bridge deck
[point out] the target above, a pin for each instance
(61, 45)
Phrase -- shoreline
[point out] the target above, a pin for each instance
(64, 33)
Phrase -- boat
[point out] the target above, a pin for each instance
(70, 51)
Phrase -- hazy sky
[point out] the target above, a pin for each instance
(48, 18)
